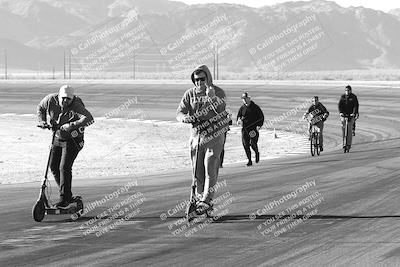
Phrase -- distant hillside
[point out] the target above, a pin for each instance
(395, 12)
(171, 36)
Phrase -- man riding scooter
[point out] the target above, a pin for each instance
(68, 118)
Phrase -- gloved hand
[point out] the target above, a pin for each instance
(239, 121)
(66, 127)
(43, 125)
(188, 119)
(210, 91)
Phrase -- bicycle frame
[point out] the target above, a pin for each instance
(346, 146)
(314, 140)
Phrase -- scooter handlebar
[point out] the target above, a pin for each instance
(347, 115)
(47, 126)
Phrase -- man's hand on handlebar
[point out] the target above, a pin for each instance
(66, 127)
(44, 125)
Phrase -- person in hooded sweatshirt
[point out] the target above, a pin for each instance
(204, 107)
(251, 118)
(68, 117)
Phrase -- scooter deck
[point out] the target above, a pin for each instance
(53, 210)
(56, 211)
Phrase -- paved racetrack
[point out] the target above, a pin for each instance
(351, 214)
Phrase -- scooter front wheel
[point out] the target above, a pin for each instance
(79, 206)
(191, 210)
(38, 211)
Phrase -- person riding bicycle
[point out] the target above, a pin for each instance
(351, 95)
(348, 107)
(318, 115)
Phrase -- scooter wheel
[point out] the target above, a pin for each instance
(38, 211)
(191, 211)
(79, 210)
(208, 213)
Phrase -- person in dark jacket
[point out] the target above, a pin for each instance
(356, 110)
(348, 107)
(251, 118)
(318, 115)
(68, 118)
(221, 160)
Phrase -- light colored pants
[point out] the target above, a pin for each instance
(349, 130)
(319, 125)
(206, 173)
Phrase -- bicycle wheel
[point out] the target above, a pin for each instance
(312, 142)
(344, 130)
(317, 143)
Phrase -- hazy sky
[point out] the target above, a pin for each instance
(384, 5)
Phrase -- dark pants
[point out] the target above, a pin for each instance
(250, 139)
(221, 159)
(63, 155)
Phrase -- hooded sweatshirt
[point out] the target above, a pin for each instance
(209, 118)
(75, 114)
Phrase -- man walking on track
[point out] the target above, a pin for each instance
(203, 106)
(252, 119)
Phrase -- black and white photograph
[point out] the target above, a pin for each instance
(199, 133)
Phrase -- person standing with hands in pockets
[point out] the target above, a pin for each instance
(251, 118)
(203, 106)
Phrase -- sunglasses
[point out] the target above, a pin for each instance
(200, 79)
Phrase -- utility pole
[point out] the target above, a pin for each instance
(134, 66)
(5, 64)
(70, 64)
(214, 55)
(65, 67)
(217, 63)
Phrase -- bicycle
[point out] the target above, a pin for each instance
(315, 147)
(346, 137)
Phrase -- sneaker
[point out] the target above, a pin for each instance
(203, 207)
(249, 163)
(63, 204)
(257, 157)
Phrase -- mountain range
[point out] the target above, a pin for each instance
(38, 32)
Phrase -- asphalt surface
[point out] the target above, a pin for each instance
(346, 213)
